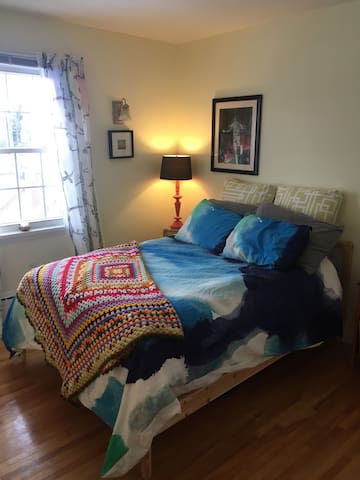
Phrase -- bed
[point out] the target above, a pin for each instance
(197, 315)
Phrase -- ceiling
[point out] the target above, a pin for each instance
(172, 21)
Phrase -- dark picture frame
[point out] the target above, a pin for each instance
(121, 143)
(235, 142)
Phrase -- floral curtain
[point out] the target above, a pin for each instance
(74, 150)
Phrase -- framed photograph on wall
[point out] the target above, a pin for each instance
(121, 143)
(236, 134)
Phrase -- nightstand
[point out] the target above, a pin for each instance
(169, 232)
(355, 345)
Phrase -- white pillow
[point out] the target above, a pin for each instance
(330, 278)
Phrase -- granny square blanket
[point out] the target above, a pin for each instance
(89, 311)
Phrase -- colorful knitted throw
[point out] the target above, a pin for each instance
(89, 311)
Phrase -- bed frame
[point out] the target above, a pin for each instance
(193, 401)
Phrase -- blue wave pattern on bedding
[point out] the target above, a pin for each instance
(283, 304)
(227, 308)
(220, 301)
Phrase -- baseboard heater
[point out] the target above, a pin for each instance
(5, 301)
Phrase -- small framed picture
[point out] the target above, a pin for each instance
(236, 134)
(121, 143)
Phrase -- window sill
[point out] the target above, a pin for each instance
(34, 232)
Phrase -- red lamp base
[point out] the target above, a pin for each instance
(177, 223)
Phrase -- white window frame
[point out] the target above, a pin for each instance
(24, 64)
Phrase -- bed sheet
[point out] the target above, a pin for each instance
(233, 315)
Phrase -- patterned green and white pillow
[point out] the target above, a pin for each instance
(236, 190)
(319, 203)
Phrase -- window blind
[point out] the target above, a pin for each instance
(18, 60)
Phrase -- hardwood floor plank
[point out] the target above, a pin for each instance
(297, 420)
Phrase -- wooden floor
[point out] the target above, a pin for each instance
(297, 420)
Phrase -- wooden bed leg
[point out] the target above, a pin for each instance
(355, 345)
(145, 466)
(23, 356)
(355, 340)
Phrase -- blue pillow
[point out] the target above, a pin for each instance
(274, 244)
(208, 226)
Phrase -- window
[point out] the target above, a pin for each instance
(30, 186)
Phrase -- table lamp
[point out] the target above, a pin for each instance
(176, 167)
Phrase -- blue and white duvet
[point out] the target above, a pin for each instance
(233, 315)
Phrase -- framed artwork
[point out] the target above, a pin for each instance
(121, 143)
(236, 134)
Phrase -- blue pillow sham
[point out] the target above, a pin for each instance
(208, 226)
(273, 244)
(322, 239)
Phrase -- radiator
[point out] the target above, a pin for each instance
(5, 301)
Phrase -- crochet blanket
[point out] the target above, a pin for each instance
(89, 311)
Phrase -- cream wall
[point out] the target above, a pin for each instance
(308, 69)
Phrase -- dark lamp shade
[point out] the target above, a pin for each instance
(176, 167)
